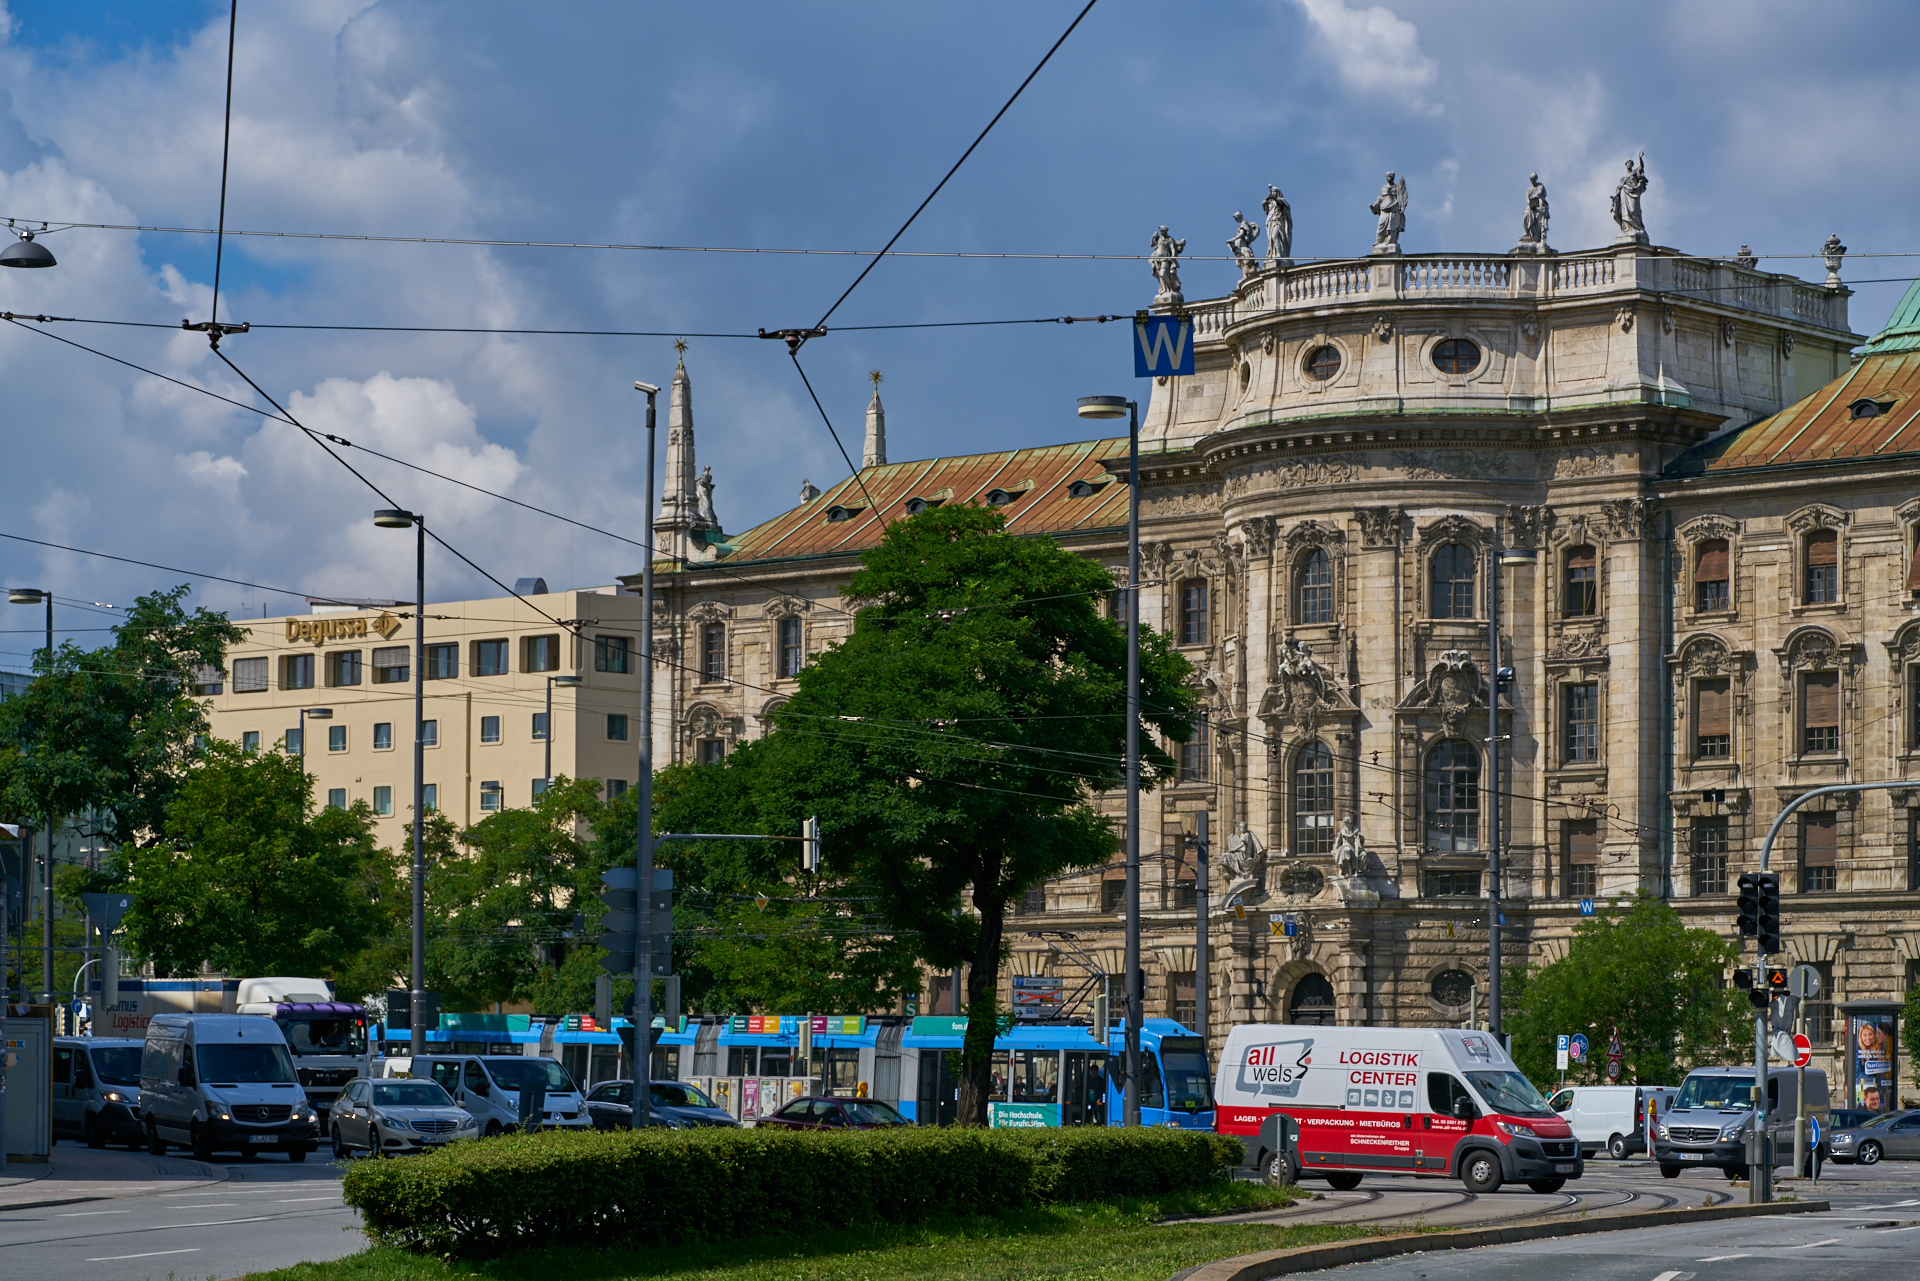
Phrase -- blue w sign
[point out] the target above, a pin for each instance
(1162, 345)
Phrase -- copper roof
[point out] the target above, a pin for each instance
(1038, 479)
(1826, 427)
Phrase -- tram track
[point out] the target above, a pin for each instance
(1388, 1204)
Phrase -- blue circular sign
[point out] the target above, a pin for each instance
(1813, 1131)
(1578, 1050)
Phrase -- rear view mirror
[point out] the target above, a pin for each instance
(1463, 1109)
(186, 1074)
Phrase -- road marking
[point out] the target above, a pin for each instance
(295, 1199)
(217, 1205)
(1910, 1227)
(1722, 1258)
(1674, 1276)
(81, 1214)
(1808, 1245)
(151, 1254)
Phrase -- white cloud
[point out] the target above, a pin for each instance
(1376, 50)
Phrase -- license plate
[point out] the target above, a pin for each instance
(1566, 1168)
(263, 1138)
(1693, 1156)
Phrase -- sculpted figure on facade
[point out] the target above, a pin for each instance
(1243, 854)
(1745, 258)
(707, 515)
(1240, 244)
(1279, 228)
(1454, 687)
(1626, 204)
(1533, 224)
(1832, 252)
(1390, 206)
(1165, 265)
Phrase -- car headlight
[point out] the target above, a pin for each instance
(221, 1114)
(1661, 1130)
(468, 1123)
(1732, 1131)
(112, 1096)
(1521, 1131)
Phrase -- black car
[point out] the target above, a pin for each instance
(674, 1104)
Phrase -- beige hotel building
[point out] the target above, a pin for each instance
(488, 667)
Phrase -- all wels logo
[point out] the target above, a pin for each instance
(1276, 1069)
(386, 625)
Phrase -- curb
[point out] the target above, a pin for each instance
(1312, 1258)
(217, 1175)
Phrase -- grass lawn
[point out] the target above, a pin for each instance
(1121, 1242)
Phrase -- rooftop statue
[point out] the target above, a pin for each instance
(1533, 224)
(1626, 204)
(1279, 228)
(1165, 264)
(1391, 206)
(1240, 243)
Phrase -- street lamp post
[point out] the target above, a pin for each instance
(395, 518)
(37, 596)
(1115, 407)
(1511, 556)
(566, 682)
(643, 808)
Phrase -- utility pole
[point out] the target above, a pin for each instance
(643, 811)
(1202, 886)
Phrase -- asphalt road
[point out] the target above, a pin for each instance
(154, 1218)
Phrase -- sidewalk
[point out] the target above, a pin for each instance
(77, 1173)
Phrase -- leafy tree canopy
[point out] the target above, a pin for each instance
(1638, 968)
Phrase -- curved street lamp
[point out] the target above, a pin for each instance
(396, 518)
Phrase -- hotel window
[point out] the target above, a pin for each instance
(792, 652)
(1117, 605)
(617, 727)
(336, 738)
(490, 798)
(1315, 591)
(489, 729)
(1823, 568)
(1820, 712)
(1113, 892)
(1712, 720)
(610, 654)
(539, 727)
(1580, 722)
(207, 680)
(539, 788)
(1581, 842)
(1193, 755)
(1453, 798)
(443, 662)
(712, 751)
(1819, 843)
(1180, 993)
(542, 654)
(616, 787)
(249, 675)
(1313, 800)
(296, 742)
(336, 798)
(713, 653)
(383, 736)
(490, 658)
(1185, 877)
(1709, 856)
(430, 796)
(429, 733)
(296, 671)
(383, 801)
(250, 740)
(392, 665)
(1713, 576)
(1582, 594)
(1455, 567)
(1033, 900)
(1450, 883)
(1193, 611)
(343, 667)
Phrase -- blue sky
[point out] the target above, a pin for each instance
(780, 126)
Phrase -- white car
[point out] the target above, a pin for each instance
(392, 1118)
(488, 1086)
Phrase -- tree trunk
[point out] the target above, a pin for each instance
(983, 1017)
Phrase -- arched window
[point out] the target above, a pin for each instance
(1313, 800)
(1712, 576)
(1316, 587)
(1582, 594)
(1311, 1001)
(1455, 568)
(1453, 797)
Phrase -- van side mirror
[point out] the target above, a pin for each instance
(186, 1074)
(480, 1087)
(1463, 1109)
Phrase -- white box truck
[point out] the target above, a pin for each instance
(327, 1038)
(1338, 1102)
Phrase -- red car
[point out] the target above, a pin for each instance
(817, 1112)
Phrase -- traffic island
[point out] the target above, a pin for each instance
(1313, 1258)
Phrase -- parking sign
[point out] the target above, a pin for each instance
(1162, 345)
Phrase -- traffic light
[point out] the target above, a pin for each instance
(1783, 1005)
(1749, 908)
(1769, 917)
(810, 845)
(620, 923)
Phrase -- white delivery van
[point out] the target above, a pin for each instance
(1340, 1101)
(1611, 1118)
(488, 1086)
(96, 1090)
(1712, 1115)
(222, 1082)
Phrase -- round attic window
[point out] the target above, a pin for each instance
(1453, 989)
(1456, 356)
(1322, 363)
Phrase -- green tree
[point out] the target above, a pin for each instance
(1638, 969)
(251, 879)
(955, 743)
(110, 732)
(1910, 1031)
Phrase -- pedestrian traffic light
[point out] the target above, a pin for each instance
(1769, 917)
(1749, 906)
(1776, 980)
(810, 845)
(620, 923)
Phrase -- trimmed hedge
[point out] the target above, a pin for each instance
(485, 1198)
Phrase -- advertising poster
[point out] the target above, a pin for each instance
(770, 1099)
(749, 1097)
(1870, 1045)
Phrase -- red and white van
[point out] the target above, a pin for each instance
(1420, 1101)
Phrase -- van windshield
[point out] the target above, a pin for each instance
(1509, 1093)
(246, 1063)
(118, 1065)
(1718, 1092)
(518, 1074)
(325, 1036)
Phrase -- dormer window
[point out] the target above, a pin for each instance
(1001, 497)
(837, 513)
(917, 505)
(1083, 489)
(1868, 408)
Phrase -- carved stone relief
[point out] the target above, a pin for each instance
(1530, 525)
(1808, 519)
(1453, 529)
(1813, 649)
(708, 611)
(1290, 474)
(1578, 646)
(1705, 656)
(1256, 534)
(1380, 526)
(1630, 518)
(1589, 460)
(1451, 464)
(1182, 500)
(1454, 688)
(787, 607)
(1624, 318)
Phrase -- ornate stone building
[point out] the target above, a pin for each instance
(1722, 500)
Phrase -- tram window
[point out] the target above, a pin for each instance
(1036, 1076)
(1152, 1094)
(999, 1075)
(1188, 1082)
